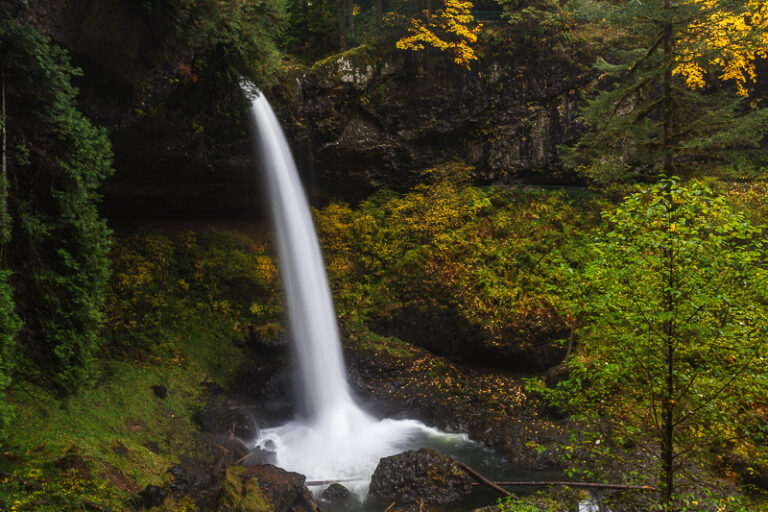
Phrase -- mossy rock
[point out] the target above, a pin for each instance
(423, 475)
(231, 489)
(355, 67)
(239, 497)
(263, 488)
(253, 499)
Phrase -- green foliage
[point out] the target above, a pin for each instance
(645, 118)
(125, 435)
(230, 38)
(534, 503)
(537, 23)
(193, 296)
(59, 247)
(312, 28)
(484, 256)
(675, 311)
(9, 326)
(179, 311)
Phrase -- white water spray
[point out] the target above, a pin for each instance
(336, 440)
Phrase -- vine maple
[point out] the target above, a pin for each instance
(450, 29)
(729, 40)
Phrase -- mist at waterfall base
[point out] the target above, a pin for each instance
(334, 439)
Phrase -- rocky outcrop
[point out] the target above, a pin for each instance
(337, 493)
(265, 488)
(375, 115)
(530, 343)
(423, 475)
(179, 135)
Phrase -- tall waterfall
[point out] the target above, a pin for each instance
(335, 439)
(310, 309)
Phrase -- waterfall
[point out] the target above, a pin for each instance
(334, 439)
(311, 314)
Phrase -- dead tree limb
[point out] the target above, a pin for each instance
(588, 485)
(326, 482)
(480, 478)
(497, 486)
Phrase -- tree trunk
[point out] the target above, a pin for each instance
(668, 98)
(668, 398)
(341, 17)
(379, 13)
(351, 14)
(5, 227)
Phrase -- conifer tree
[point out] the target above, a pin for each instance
(672, 98)
(58, 245)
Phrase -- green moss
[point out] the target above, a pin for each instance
(359, 56)
(117, 427)
(394, 347)
(241, 498)
(254, 500)
(231, 489)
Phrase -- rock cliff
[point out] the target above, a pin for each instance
(375, 115)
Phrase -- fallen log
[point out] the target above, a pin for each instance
(590, 485)
(480, 478)
(497, 486)
(327, 482)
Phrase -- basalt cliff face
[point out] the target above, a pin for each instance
(358, 120)
(375, 116)
(179, 133)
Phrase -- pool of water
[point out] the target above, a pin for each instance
(350, 458)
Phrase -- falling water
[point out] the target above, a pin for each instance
(335, 439)
(312, 319)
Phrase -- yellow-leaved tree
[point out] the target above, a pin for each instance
(657, 117)
(452, 29)
(728, 40)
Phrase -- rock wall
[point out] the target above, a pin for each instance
(359, 120)
(180, 139)
(377, 115)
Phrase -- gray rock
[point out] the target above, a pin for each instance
(425, 475)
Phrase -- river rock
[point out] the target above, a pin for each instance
(337, 493)
(160, 391)
(153, 496)
(427, 475)
(283, 490)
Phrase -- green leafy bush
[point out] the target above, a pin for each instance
(193, 295)
(673, 303)
(480, 262)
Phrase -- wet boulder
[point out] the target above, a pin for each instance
(423, 475)
(262, 488)
(153, 496)
(337, 493)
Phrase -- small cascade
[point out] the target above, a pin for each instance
(333, 439)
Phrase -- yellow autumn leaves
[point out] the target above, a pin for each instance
(450, 29)
(728, 40)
